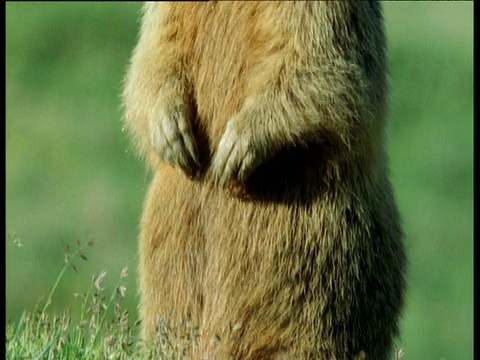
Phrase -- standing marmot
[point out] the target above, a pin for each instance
(271, 207)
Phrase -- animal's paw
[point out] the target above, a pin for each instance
(172, 138)
(237, 155)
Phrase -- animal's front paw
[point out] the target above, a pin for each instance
(172, 138)
(237, 155)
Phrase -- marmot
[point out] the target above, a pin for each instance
(270, 208)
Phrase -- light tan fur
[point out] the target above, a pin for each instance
(270, 207)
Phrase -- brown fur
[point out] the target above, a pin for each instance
(277, 215)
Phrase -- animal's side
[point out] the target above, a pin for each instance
(270, 207)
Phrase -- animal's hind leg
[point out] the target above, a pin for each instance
(171, 253)
(246, 312)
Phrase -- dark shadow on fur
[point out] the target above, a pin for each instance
(295, 176)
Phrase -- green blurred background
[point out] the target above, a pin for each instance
(71, 173)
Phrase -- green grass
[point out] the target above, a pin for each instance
(104, 330)
(71, 174)
(41, 335)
